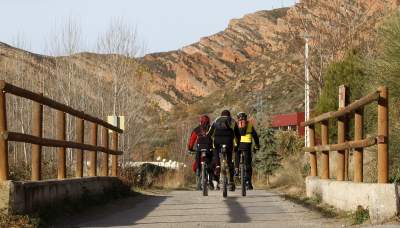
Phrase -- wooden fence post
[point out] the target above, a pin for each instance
(325, 154)
(114, 146)
(341, 155)
(93, 154)
(383, 132)
(37, 130)
(80, 134)
(104, 141)
(358, 153)
(313, 155)
(60, 120)
(3, 141)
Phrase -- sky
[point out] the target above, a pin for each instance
(162, 25)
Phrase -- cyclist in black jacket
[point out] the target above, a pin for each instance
(225, 131)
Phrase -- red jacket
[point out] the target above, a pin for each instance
(199, 137)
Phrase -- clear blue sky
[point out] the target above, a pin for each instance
(162, 24)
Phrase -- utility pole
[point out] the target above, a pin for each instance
(306, 91)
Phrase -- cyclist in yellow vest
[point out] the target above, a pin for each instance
(247, 134)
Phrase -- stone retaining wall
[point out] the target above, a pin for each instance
(382, 200)
(30, 196)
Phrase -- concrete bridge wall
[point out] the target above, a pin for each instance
(28, 197)
(382, 200)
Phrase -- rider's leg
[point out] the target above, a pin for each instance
(216, 164)
(198, 169)
(229, 152)
(237, 162)
(198, 163)
(249, 169)
(210, 170)
(237, 158)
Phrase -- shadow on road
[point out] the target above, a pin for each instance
(122, 212)
(237, 212)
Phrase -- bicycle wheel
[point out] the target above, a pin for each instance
(204, 179)
(243, 179)
(225, 187)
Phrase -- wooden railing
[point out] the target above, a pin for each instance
(60, 142)
(359, 142)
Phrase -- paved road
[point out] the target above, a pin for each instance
(191, 209)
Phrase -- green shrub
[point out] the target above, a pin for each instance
(361, 215)
(267, 160)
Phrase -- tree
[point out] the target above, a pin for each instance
(335, 26)
(351, 72)
(66, 40)
(267, 160)
(385, 70)
(120, 43)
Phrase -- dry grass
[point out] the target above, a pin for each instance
(290, 177)
(18, 221)
(171, 179)
(151, 176)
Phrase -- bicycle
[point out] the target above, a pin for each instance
(202, 182)
(224, 171)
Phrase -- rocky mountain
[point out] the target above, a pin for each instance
(256, 64)
(204, 67)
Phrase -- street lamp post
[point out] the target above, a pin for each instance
(306, 90)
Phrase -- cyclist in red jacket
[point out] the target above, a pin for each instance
(200, 140)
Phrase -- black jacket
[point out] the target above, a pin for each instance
(224, 130)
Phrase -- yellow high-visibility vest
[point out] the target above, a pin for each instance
(247, 137)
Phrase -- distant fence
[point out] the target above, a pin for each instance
(60, 142)
(167, 164)
(342, 115)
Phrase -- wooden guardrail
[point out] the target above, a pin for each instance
(342, 115)
(60, 142)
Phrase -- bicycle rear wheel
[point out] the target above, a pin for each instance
(204, 179)
(225, 187)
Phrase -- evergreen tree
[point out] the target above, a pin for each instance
(386, 71)
(350, 72)
(267, 160)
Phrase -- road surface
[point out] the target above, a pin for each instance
(190, 209)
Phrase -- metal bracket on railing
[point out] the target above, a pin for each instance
(381, 139)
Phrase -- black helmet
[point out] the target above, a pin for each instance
(242, 116)
(226, 113)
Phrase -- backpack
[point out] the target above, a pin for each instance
(222, 124)
(242, 124)
(202, 137)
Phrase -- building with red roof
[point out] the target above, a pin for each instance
(290, 121)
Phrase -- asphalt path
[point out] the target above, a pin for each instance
(259, 208)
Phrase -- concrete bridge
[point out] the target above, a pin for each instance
(188, 208)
